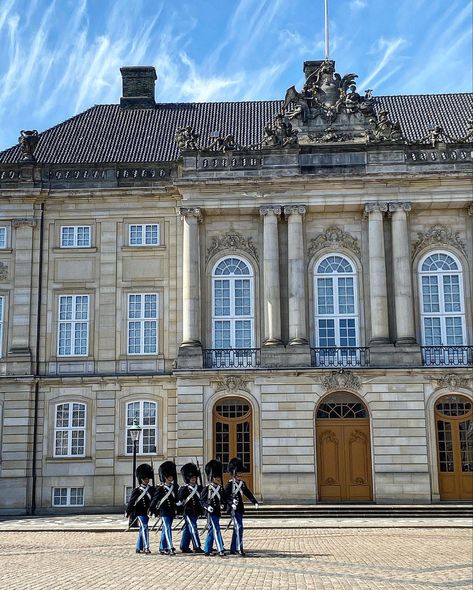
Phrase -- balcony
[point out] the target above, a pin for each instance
(231, 358)
(447, 356)
(340, 357)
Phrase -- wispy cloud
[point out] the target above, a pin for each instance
(388, 48)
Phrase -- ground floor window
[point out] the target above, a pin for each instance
(68, 496)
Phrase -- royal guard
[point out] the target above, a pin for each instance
(213, 499)
(234, 491)
(189, 502)
(139, 504)
(164, 505)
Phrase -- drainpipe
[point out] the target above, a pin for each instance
(37, 358)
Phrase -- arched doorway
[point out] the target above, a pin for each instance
(343, 450)
(454, 427)
(233, 434)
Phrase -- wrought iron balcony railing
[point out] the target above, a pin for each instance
(447, 356)
(231, 358)
(340, 357)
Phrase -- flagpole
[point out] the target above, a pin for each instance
(326, 31)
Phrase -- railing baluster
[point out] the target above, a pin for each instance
(228, 358)
(340, 356)
(447, 356)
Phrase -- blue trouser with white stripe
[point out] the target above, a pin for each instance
(190, 532)
(237, 537)
(142, 542)
(213, 534)
(166, 534)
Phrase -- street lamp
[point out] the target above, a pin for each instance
(135, 432)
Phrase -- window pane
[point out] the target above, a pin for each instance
(148, 440)
(152, 235)
(347, 332)
(430, 294)
(60, 447)
(62, 416)
(134, 306)
(136, 235)
(67, 237)
(77, 442)
(77, 497)
(454, 331)
(326, 333)
(451, 293)
(134, 337)
(60, 496)
(83, 236)
(78, 415)
(243, 334)
(80, 338)
(325, 296)
(222, 297)
(133, 410)
(151, 306)
(82, 307)
(222, 334)
(149, 414)
(65, 307)
(432, 332)
(242, 297)
(346, 295)
(3, 237)
(150, 337)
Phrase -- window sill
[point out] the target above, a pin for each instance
(144, 248)
(140, 456)
(6, 250)
(75, 249)
(68, 459)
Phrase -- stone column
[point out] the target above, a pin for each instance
(272, 296)
(377, 274)
(190, 277)
(296, 274)
(403, 300)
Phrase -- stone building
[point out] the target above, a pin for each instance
(289, 281)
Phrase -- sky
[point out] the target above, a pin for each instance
(60, 57)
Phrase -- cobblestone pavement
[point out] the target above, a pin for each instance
(322, 559)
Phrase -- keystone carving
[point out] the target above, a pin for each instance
(16, 223)
(231, 241)
(438, 235)
(231, 384)
(334, 237)
(342, 379)
(451, 381)
(3, 271)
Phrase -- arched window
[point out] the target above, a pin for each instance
(442, 304)
(233, 304)
(146, 414)
(336, 305)
(69, 430)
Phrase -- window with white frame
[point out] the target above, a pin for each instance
(144, 234)
(442, 303)
(68, 496)
(2, 322)
(145, 413)
(3, 237)
(69, 430)
(142, 323)
(75, 236)
(73, 326)
(336, 305)
(233, 304)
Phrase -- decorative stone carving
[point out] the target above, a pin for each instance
(224, 144)
(468, 137)
(231, 384)
(341, 379)
(270, 210)
(234, 241)
(16, 223)
(470, 210)
(334, 237)
(451, 381)
(3, 271)
(295, 209)
(191, 212)
(438, 235)
(281, 134)
(186, 138)
(403, 206)
(28, 141)
(383, 129)
(369, 207)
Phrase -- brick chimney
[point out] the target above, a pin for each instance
(138, 87)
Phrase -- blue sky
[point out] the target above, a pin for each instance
(59, 57)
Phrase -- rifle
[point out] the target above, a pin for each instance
(130, 524)
(232, 497)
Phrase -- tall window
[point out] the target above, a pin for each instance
(144, 234)
(336, 305)
(3, 237)
(442, 303)
(75, 236)
(145, 412)
(69, 430)
(142, 323)
(2, 321)
(232, 310)
(73, 339)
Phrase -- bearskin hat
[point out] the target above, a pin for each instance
(189, 470)
(235, 465)
(166, 469)
(144, 471)
(214, 469)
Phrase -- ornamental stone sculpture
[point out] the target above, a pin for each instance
(28, 141)
(383, 129)
(281, 134)
(186, 138)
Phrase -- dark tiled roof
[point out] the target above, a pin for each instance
(108, 133)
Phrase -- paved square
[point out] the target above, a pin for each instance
(323, 559)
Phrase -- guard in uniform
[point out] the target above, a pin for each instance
(234, 491)
(212, 499)
(189, 502)
(139, 504)
(164, 505)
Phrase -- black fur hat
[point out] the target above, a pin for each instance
(144, 471)
(166, 469)
(214, 469)
(235, 465)
(189, 470)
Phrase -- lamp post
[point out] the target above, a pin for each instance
(135, 432)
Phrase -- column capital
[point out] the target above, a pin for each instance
(400, 206)
(295, 209)
(382, 207)
(270, 210)
(191, 212)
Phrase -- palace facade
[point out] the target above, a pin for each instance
(287, 281)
